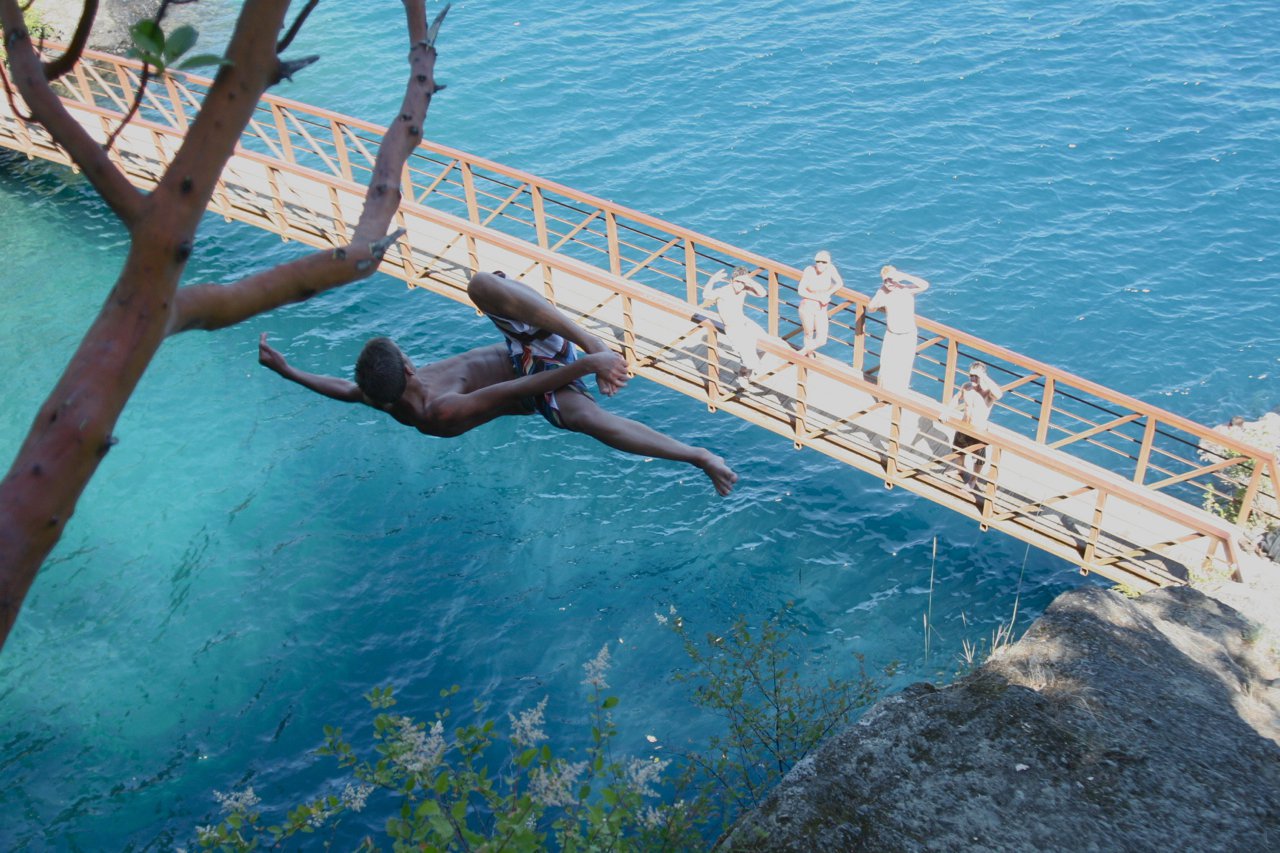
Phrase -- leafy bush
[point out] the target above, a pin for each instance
(447, 795)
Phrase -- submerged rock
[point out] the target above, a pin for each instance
(1113, 724)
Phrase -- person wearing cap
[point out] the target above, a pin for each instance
(973, 404)
(742, 333)
(897, 299)
(818, 284)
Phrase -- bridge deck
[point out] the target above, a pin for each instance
(1095, 477)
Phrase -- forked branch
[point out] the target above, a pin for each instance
(56, 68)
(29, 78)
(296, 26)
(211, 306)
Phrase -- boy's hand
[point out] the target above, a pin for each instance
(269, 357)
(611, 372)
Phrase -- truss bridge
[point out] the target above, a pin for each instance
(1100, 479)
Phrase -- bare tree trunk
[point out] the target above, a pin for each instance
(72, 431)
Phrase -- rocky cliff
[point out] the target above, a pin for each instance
(1114, 724)
(114, 18)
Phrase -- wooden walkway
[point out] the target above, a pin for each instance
(1100, 479)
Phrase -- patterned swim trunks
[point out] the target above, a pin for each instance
(533, 350)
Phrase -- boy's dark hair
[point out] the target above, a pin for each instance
(380, 371)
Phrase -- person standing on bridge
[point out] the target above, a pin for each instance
(742, 333)
(973, 404)
(818, 283)
(897, 298)
(539, 367)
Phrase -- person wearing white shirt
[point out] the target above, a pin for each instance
(897, 299)
(730, 298)
(818, 283)
(973, 404)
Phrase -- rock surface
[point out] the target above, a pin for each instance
(111, 26)
(1114, 724)
(1264, 434)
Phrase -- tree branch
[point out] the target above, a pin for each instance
(46, 108)
(56, 68)
(292, 66)
(9, 96)
(143, 79)
(74, 428)
(216, 306)
(296, 26)
(228, 106)
(211, 306)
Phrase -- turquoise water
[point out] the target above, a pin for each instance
(1093, 184)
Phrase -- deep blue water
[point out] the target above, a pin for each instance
(1093, 184)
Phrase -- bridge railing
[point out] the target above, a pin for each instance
(1151, 447)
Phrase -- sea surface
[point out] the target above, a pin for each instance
(1094, 184)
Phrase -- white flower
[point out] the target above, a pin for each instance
(554, 786)
(233, 802)
(651, 818)
(662, 620)
(642, 773)
(206, 833)
(526, 730)
(596, 669)
(354, 796)
(415, 749)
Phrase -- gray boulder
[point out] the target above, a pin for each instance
(1114, 724)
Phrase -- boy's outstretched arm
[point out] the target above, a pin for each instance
(329, 386)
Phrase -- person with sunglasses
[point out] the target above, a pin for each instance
(818, 283)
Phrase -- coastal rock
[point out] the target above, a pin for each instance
(1263, 532)
(1113, 724)
(111, 26)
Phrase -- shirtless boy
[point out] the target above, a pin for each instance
(539, 367)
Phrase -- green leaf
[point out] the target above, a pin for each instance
(180, 41)
(441, 828)
(148, 37)
(203, 60)
(609, 703)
